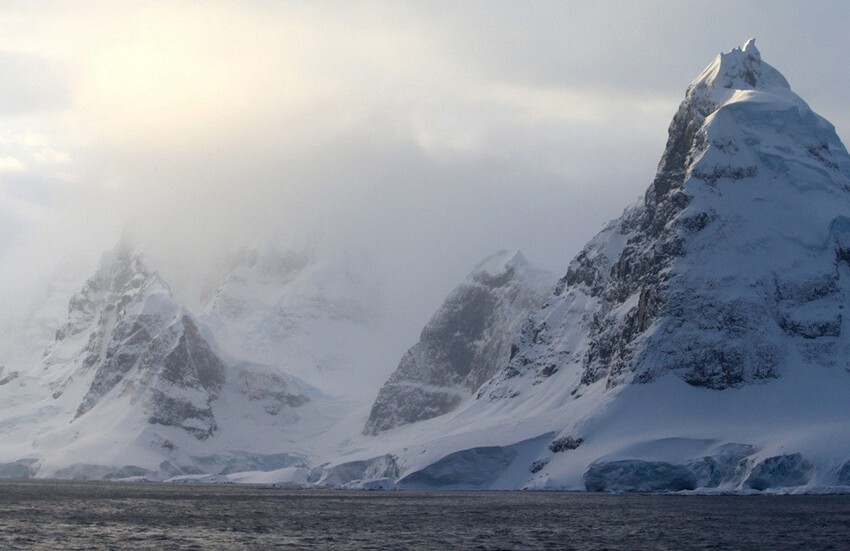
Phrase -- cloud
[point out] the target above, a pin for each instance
(31, 84)
(53, 156)
(11, 164)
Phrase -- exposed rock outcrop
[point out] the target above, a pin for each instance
(466, 342)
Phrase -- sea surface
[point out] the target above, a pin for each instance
(99, 515)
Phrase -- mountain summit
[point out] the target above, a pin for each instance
(729, 271)
(699, 340)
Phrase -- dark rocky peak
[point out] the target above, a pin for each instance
(120, 278)
(466, 342)
(127, 339)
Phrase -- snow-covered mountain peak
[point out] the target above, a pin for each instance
(281, 308)
(288, 284)
(123, 268)
(741, 120)
(700, 340)
(740, 69)
(730, 251)
(121, 281)
(127, 341)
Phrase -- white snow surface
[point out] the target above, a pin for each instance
(53, 420)
(314, 319)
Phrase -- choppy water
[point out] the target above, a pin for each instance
(73, 515)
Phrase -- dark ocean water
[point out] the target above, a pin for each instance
(74, 515)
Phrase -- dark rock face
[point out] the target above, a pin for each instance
(6, 378)
(402, 404)
(269, 388)
(565, 443)
(141, 345)
(653, 236)
(537, 466)
(466, 342)
(191, 365)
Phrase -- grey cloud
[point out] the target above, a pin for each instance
(31, 84)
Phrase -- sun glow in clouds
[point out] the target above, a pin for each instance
(181, 77)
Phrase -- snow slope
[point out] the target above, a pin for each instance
(303, 314)
(130, 387)
(699, 341)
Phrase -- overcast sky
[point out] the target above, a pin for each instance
(426, 135)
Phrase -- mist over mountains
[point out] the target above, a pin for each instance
(256, 242)
(698, 342)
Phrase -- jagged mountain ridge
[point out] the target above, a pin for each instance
(464, 344)
(131, 387)
(141, 343)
